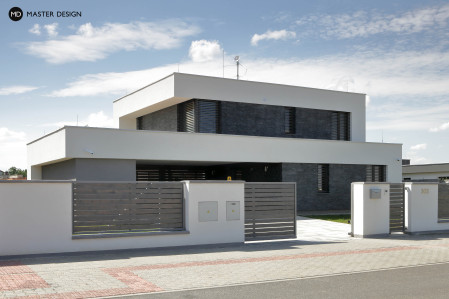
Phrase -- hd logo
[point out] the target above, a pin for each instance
(15, 14)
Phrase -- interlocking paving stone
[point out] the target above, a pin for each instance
(322, 248)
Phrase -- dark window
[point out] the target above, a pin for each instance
(289, 120)
(200, 116)
(139, 123)
(375, 173)
(407, 179)
(340, 124)
(323, 178)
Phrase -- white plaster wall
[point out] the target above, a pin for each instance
(191, 147)
(143, 101)
(37, 218)
(178, 87)
(371, 216)
(357, 209)
(51, 147)
(422, 214)
(222, 231)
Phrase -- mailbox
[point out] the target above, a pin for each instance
(375, 193)
(232, 210)
(207, 211)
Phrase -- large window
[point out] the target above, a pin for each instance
(323, 178)
(200, 116)
(376, 173)
(340, 124)
(289, 120)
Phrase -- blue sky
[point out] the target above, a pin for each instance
(57, 70)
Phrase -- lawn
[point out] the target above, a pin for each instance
(336, 218)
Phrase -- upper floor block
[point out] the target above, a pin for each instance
(192, 103)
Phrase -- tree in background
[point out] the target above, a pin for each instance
(17, 171)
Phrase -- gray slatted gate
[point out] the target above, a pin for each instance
(270, 211)
(397, 211)
(108, 208)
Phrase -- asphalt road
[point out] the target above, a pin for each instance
(429, 281)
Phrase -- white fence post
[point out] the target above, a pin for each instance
(370, 211)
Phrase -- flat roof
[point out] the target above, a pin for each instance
(229, 79)
(420, 168)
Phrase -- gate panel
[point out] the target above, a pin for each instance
(397, 208)
(270, 211)
(105, 208)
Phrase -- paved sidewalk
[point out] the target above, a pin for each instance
(314, 253)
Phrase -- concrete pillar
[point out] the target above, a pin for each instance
(370, 209)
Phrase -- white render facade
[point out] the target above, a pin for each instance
(197, 127)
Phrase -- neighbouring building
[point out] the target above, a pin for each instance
(426, 173)
(190, 127)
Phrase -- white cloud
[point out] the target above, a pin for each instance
(93, 43)
(275, 35)
(363, 24)
(442, 127)
(36, 29)
(417, 147)
(203, 50)
(415, 158)
(13, 146)
(8, 135)
(17, 89)
(403, 115)
(51, 29)
(98, 119)
(376, 74)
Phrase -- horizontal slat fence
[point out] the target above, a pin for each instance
(270, 210)
(443, 202)
(105, 208)
(397, 207)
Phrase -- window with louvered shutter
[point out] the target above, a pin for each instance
(376, 173)
(187, 117)
(340, 125)
(208, 116)
(289, 120)
(323, 178)
(199, 116)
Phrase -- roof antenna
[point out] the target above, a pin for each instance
(237, 61)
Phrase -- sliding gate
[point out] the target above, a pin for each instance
(270, 211)
(397, 210)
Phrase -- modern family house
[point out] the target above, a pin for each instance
(190, 127)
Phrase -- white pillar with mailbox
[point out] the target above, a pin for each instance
(370, 209)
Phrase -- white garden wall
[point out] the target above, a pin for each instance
(36, 217)
(422, 214)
